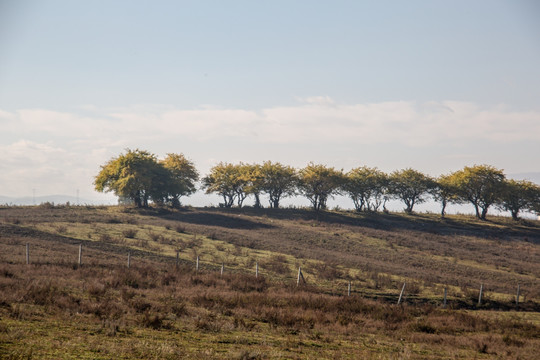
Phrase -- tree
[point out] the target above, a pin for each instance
(517, 196)
(132, 175)
(481, 185)
(245, 182)
(445, 191)
(225, 179)
(318, 182)
(181, 178)
(366, 187)
(410, 186)
(255, 182)
(278, 181)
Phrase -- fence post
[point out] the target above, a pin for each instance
(129, 259)
(480, 295)
(80, 254)
(444, 300)
(222, 268)
(517, 296)
(197, 264)
(349, 289)
(256, 269)
(27, 253)
(177, 258)
(300, 276)
(401, 294)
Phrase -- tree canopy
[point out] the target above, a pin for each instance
(445, 191)
(519, 195)
(481, 185)
(223, 180)
(410, 186)
(181, 178)
(138, 176)
(366, 187)
(278, 181)
(318, 183)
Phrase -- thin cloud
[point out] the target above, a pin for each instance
(57, 149)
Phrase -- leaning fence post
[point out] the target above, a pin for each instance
(300, 276)
(401, 294)
(480, 295)
(80, 254)
(129, 259)
(517, 296)
(444, 300)
(27, 253)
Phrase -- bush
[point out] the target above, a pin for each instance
(129, 233)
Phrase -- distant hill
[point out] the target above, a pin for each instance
(56, 199)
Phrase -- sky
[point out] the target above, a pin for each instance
(430, 85)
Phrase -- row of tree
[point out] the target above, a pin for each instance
(140, 177)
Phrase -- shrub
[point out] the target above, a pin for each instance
(129, 233)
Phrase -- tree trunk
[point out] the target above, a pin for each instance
(484, 213)
(443, 209)
(477, 211)
(514, 214)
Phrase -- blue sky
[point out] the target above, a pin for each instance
(431, 85)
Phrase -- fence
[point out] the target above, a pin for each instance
(300, 279)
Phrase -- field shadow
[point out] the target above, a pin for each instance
(418, 222)
(218, 217)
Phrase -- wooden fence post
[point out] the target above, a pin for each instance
(300, 276)
(197, 264)
(401, 294)
(177, 258)
(80, 254)
(27, 253)
(256, 269)
(129, 259)
(444, 300)
(480, 295)
(349, 289)
(517, 296)
(222, 268)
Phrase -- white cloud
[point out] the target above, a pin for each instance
(318, 119)
(61, 149)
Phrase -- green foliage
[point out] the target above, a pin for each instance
(366, 187)
(224, 179)
(318, 182)
(410, 186)
(446, 192)
(131, 175)
(278, 181)
(481, 185)
(517, 196)
(181, 178)
(139, 177)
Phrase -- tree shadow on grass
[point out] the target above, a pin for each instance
(215, 217)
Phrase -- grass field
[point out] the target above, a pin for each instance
(53, 308)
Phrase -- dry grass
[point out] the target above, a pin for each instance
(54, 309)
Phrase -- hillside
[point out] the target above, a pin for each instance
(181, 312)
